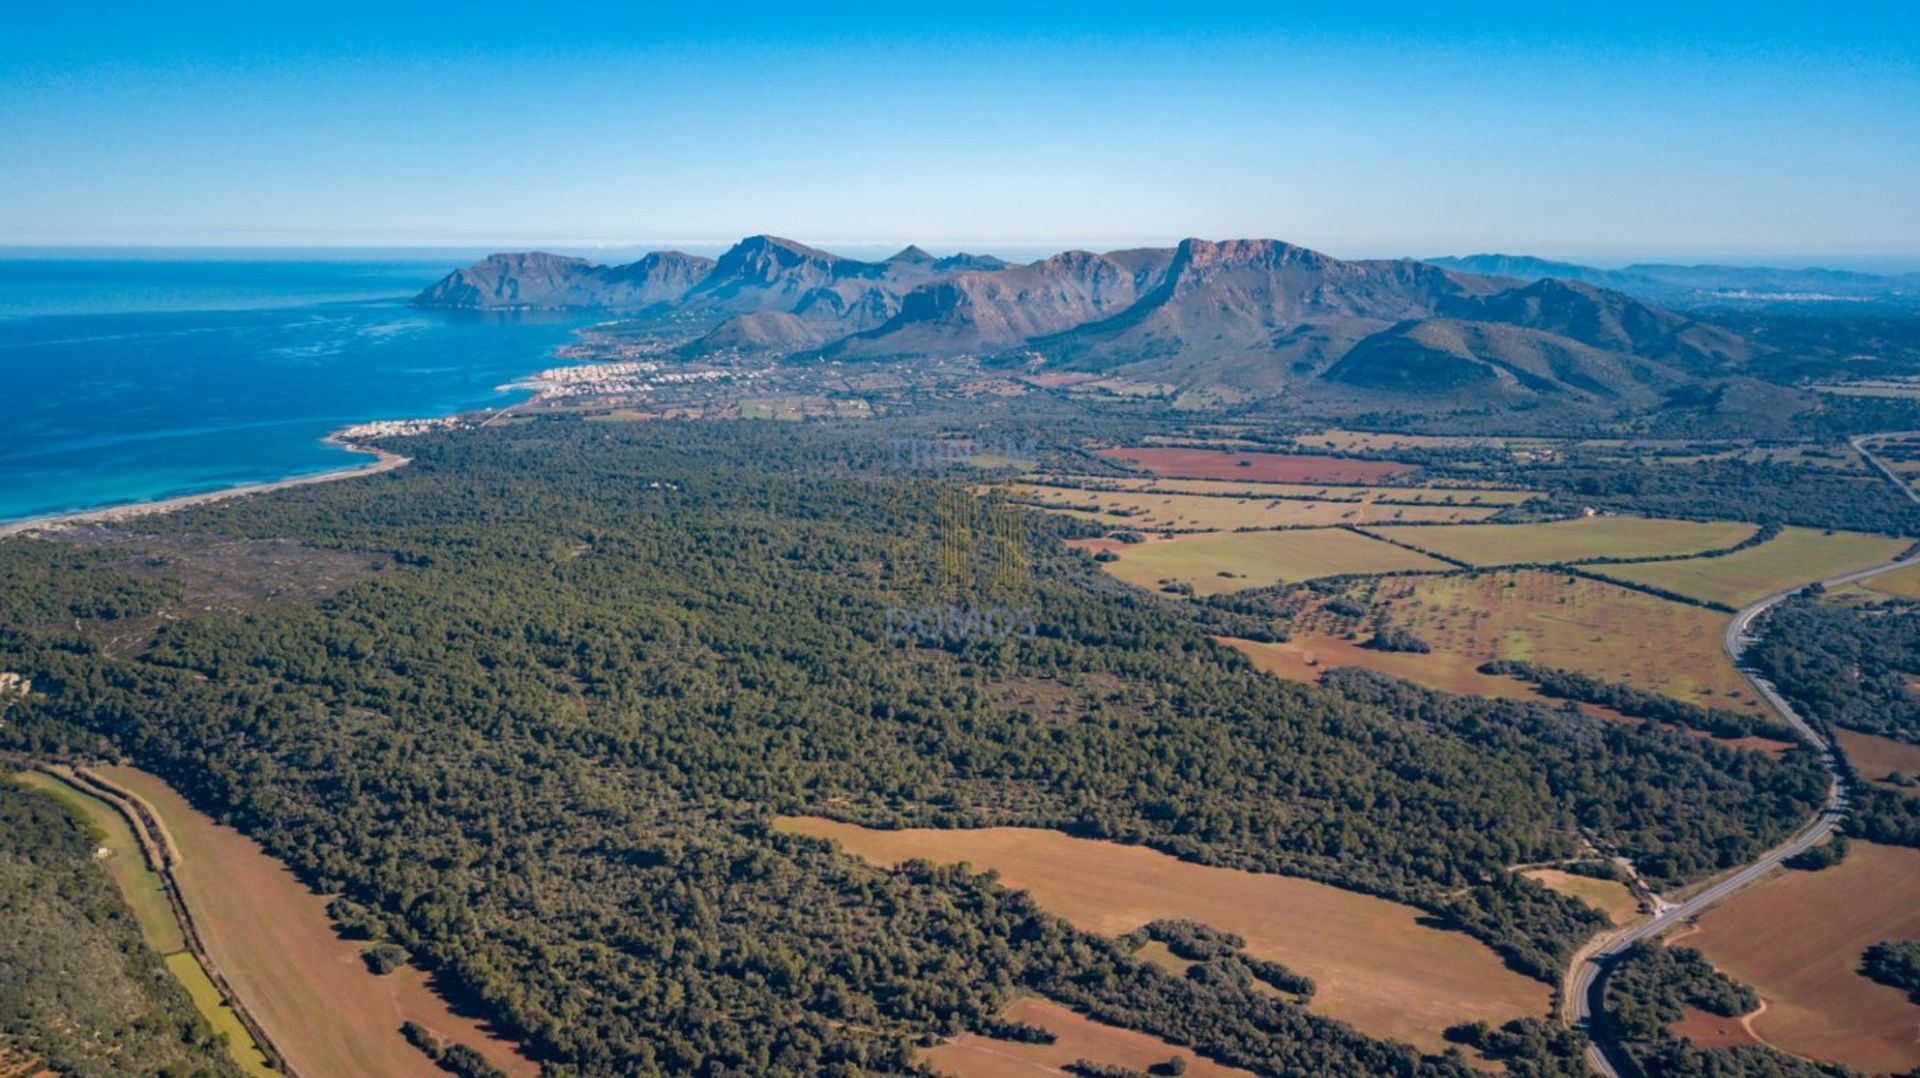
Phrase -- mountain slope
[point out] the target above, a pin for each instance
(536, 279)
(1608, 320)
(1437, 356)
(820, 296)
(984, 312)
(1259, 317)
(1258, 311)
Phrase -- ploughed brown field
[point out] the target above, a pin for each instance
(1712, 1031)
(1797, 939)
(272, 939)
(1377, 967)
(1076, 1037)
(1177, 463)
(1876, 757)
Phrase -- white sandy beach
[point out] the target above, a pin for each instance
(384, 462)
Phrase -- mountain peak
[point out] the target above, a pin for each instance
(1202, 253)
(912, 253)
(763, 244)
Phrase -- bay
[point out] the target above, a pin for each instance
(128, 381)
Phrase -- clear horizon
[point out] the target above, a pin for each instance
(616, 253)
(1760, 133)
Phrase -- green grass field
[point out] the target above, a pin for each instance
(1795, 556)
(1904, 583)
(213, 1006)
(1258, 559)
(1570, 540)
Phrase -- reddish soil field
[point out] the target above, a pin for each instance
(273, 940)
(1712, 1031)
(1874, 757)
(1797, 939)
(1263, 467)
(1379, 965)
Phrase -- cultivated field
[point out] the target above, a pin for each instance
(1712, 1031)
(1874, 757)
(1904, 583)
(1276, 467)
(271, 938)
(1610, 897)
(213, 1006)
(1535, 615)
(1377, 966)
(1570, 540)
(1795, 556)
(1232, 561)
(1797, 939)
(1157, 511)
(1076, 1036)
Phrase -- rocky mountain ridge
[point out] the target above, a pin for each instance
(1263, 317)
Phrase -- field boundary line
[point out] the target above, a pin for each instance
(1646, 589)
(1358, 529)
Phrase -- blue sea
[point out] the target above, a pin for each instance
(128, 380)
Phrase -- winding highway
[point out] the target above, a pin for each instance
(1583, 993)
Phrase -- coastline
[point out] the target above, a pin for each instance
(384, 461)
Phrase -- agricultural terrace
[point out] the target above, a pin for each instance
(1797, 939)
(1535, 615)
(146, 895)
(1610, 897)
(273, 941)
(1796, 556)
(1570, 540)
(1076, 1037)
(1377, 964)
(1220, 562)
(1274, 467)
(1876, 757)
(1157, 511)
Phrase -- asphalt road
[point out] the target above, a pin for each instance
(1859, 443)
(1586, 981)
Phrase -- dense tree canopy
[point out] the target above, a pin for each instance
(541, 750)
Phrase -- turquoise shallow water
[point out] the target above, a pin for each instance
(125, 381)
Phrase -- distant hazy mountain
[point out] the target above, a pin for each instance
(1262, 317)
(1705, 285)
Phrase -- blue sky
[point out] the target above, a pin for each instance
(1613, 132)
